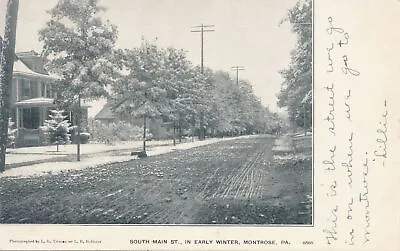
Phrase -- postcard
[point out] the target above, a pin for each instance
(200, 125)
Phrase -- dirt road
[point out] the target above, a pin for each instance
(231, 182)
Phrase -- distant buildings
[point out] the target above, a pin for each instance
(32, 97)
(106, 114)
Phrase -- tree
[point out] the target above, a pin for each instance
(57, 128)
(297, 85)
(233, 109)
(6, 70)
(80, 49)
(226, 99)
(204, 101)
(162, 84)
(181, 88)
(141, 93)
(220, 112)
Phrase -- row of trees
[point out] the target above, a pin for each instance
(162, 83)
(146, 82)
(296, 90)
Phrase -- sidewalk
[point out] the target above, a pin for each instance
(27, 155)
(292, 142)
(283, 145)
(289, 146)
(51, 162)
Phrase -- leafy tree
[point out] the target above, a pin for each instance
(6, 69)
(57, 128)
(297, 85)
(80, 49)
(180, 89)
(222, 107)
(204, 101)
(141, 93)
(245, 108)
(233, 109)
(162, 84)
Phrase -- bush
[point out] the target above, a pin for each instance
(112, 132)
(11, 133)
(84, 136)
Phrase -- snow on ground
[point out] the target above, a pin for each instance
(283, 144)
(48, 168)
(85, 148)
(56, 167)
(301, 134)
(162, 149)
(26, 154)
(21, 158)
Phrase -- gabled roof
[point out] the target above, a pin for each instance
(106, 112)
(33, 61)
(21, 69)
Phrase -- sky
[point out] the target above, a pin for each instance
(247, 33)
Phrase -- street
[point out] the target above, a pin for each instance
(240, 181)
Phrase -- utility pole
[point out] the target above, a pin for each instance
(237, 69)
(304, 119)
(202, 28)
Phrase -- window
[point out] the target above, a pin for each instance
(34, 89)
(43, 89)
(48, 91)
(25, 88)
(29, 89)
(31, 118)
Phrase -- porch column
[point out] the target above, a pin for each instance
(17, 117)
(17, 80)
(40, 116)
(17, 124)
(43, 115)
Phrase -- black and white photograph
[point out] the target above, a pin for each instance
(157, 112)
